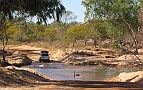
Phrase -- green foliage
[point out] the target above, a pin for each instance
(42, 9)
(13, 31)
(96, 29)
(116, 33)
(28, 32)
(51, 34)
(100, 29)
(111, 9)
(115, 45)
(75, 32)
(121, 14)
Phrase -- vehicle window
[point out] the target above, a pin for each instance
(44, 54)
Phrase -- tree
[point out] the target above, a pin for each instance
(16, 10)
(86, 32)
(98, 30)
(51, 34)
(68, 18)
(75, 33)
(121, 13)
(66, 21)
(42, 9)
(116, 35)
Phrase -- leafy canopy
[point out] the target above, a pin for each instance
(42, 9)
(119, 11)
(122, 13)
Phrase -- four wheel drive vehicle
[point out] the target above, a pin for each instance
(44, 56)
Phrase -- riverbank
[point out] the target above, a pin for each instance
(103, 57)
(97, 56)
(13, 78)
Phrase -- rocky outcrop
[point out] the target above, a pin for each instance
(13, 76)
(18, 59)
(58, 55)
(128, 77)
(130, 57)
(104, 58)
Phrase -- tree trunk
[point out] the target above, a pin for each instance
(136, 48)
(74, 43)
(5, 42)
(85, 43)
(133, 37)
(95, 43)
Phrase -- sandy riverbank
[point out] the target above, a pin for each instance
(105, 57)
(53, 87)
(13, 79)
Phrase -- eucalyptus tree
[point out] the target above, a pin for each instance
(75, 33)
(17, 10)
(68, 17)
(121, 13)
(42, 9)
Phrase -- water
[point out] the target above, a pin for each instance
(59, 71)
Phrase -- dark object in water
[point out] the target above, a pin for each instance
(75, 74)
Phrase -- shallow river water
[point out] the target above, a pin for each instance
(59, 71)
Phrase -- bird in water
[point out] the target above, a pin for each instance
(76, 74)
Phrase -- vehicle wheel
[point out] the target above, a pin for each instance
(40, 60)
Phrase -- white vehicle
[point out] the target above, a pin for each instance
(44, 56)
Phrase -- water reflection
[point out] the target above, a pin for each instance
(59, 71)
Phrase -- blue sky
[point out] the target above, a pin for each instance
(76, 7)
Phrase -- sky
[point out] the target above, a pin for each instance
(76, 7)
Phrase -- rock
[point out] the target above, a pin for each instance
(89, 63)
(131, 77)
(109, 56)
(122, 64)
(85, 52)
(14, 76)
(19, 60)
(140, 51)
(128, 77)
(16, 52)
(76, 59)
(58, 55)
(103, 57)
(130, 57)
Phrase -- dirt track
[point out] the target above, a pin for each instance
(33, 52)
